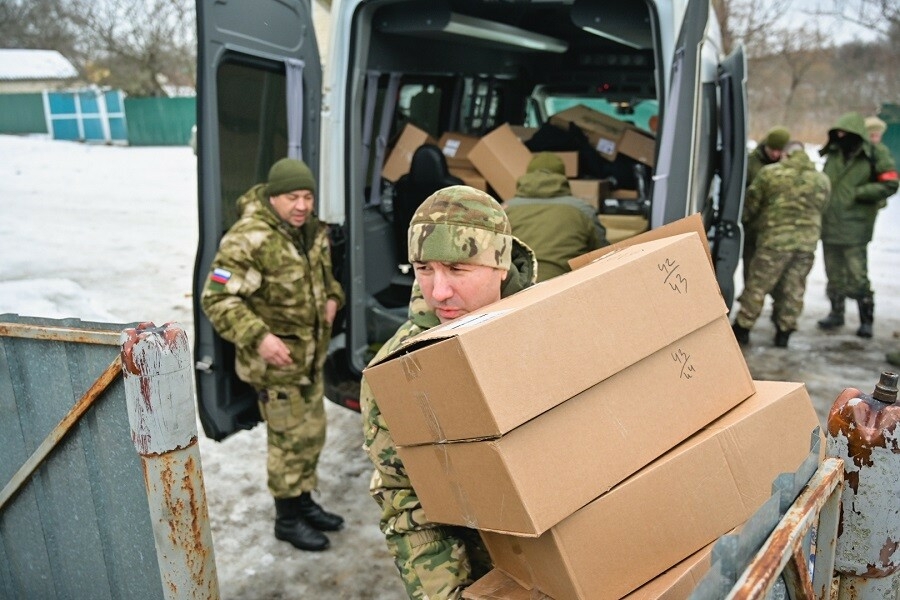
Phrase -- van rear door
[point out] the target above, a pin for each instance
(259, 82)
(702, 141)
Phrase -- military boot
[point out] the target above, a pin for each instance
(742, 334)
(835, 318)
(315, 516)
(290, 526)
(866, 316)
(781, 338)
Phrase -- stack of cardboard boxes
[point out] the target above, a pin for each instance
(495, 161)
(599, 429)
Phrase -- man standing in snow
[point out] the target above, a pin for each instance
(272, 294)
(863, 175)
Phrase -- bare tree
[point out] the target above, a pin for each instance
(877, 15)
(139, 46)
(748, 21)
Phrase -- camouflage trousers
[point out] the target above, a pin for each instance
(438, 563)
(295, 426)
(781, 274)
(847, 270)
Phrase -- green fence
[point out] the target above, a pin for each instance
(148, 121)
(890, 114)
(22, 113)
(160, 121)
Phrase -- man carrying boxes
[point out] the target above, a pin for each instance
(595, 430)
(464, 257)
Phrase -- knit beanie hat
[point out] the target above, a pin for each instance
(460, 224)
(777, 137)
(546, 161)
(874, 124)
(289, 175)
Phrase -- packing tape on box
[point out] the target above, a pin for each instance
(462, 499)
(431, 420)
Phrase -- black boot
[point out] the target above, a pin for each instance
(316, 517)
(866, 316)
(742, 334)
(290, 526)
(781, 338)
(835, 318)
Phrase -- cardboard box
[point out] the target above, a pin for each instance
(397, 163)
(679, 582)
(603, 131)
(456, 148)
(470, 177)
(639, 146)
(453, 382)
(622, 227)
(608, 135)
(675, 584)
(591, 191)
(533, 477)
(693, 223)
(502, 158)
(696, 492)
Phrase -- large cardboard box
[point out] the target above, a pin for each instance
(684, 500)
(533, 477)
(454, 381)
(400, 158)
(470, 177)
(456, 148)
(502, 158)
(608, 135)
(675, 584)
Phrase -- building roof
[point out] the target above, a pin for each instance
(19, 64)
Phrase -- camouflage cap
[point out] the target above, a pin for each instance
(874, 124)
(460, 224)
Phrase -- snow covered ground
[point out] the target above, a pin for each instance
(109, 234)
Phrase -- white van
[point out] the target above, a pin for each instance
(464, 67)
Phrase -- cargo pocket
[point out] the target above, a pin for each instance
(281, 409)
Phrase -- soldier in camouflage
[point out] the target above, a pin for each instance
(863, 175)
(272, 294)
(767, 152)
(786, 199)
(465, 257)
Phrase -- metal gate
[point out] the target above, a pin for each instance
(90, 115)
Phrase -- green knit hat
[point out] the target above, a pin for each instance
(460, 224)
(546, 161)
(290, 175)
(777, 137)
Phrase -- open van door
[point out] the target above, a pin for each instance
(259, 82)
(702, 154)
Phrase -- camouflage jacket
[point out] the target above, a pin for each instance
(270, 277)
(435, 561)
(860, 186)
(786, 200)
(756, 160)
(555, 224)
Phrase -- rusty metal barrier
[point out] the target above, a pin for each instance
(79, 508)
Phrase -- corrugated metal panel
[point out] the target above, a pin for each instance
(79, 527)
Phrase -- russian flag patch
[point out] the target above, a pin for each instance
(220, 276)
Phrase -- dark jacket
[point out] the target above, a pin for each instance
(861, 181)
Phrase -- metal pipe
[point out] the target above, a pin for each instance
(864, 431)
(157, 365)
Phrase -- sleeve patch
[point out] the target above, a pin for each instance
(220, 276)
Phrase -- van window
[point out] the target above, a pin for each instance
(252, 124)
